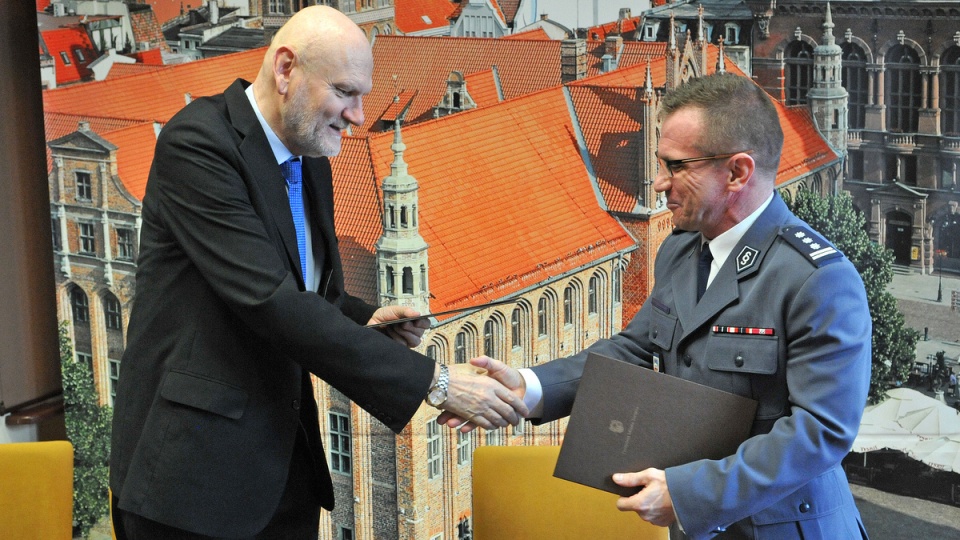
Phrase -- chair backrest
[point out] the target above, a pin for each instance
(516, 496)
(36, 490)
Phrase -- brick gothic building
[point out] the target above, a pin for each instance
(900, 69)
(96, 230)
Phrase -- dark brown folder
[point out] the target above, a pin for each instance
(627, 418)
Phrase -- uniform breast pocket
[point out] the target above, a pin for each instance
(663, 326)
(741, 360)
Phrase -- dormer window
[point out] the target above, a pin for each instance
(65, 58)
(731, 34)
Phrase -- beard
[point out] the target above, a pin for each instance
(309, 135)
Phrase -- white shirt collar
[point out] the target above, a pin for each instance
(723, 244)
(280, 151)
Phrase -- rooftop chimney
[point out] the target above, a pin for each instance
(573, 60)
(214, 11)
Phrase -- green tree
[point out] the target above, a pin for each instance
(894, 344)
(88, 428)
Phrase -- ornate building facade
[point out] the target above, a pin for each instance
(900, 68)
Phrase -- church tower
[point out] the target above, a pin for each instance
(401, 252)
(827, 98)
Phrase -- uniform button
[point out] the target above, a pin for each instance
(655, 332)
(295, 404)
(738, 360)
(804, 507)
(687, 361)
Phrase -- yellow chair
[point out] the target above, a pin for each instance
(36, 490)
(516, 496)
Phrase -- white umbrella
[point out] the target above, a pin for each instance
(932, 422)
(902, 420)
(941, 453)
(876, 437)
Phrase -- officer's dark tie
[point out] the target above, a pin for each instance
(703, 269)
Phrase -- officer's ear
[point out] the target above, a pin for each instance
(741, 167)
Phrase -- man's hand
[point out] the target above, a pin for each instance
(494, 369)
(652, 503)
(408, 333)
(478, 399)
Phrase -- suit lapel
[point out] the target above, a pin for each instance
(262, 164)
(745, 260)
(319, 190)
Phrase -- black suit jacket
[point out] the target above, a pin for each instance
(212, 382)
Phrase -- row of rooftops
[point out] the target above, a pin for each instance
(536, 164)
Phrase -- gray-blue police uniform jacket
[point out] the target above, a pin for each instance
(809, 370)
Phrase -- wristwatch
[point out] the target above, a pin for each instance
(438, 392)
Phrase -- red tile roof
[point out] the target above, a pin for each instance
(509, 9)
(619, 27)
(151, 57)
(135, 147)
(74, 43)
(536, 33)
(482, 87)
(409, 14)
(125, 70)
(156, 95)
(424, 63)
(804, 149)
(538, 196)
(165, 10)
(458, 9)
(56, 125)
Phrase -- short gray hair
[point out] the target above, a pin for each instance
(738, 116)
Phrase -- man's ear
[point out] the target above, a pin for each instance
(284, 58)
(742, 167)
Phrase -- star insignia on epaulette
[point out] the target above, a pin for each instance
(813, 246)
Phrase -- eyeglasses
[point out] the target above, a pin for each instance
(673, 166)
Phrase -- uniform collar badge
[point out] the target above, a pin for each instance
(746, 258)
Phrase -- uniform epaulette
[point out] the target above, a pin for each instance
(808, 242)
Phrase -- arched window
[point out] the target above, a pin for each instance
(460, 348)
(568, 305)
(592, 295)
(79, 305)
(950, 92)
(516, 328)
(903, 89)
(407, 280)
(542, 308)
(799, 71)
(390, 280)
(854, 80)
(463, 344)
(111, 307)
(492, 337)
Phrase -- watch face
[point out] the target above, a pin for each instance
(436, 397)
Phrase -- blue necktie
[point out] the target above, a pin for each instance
(294, 177)
(703, 269)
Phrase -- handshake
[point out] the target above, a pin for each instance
(484, 393)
